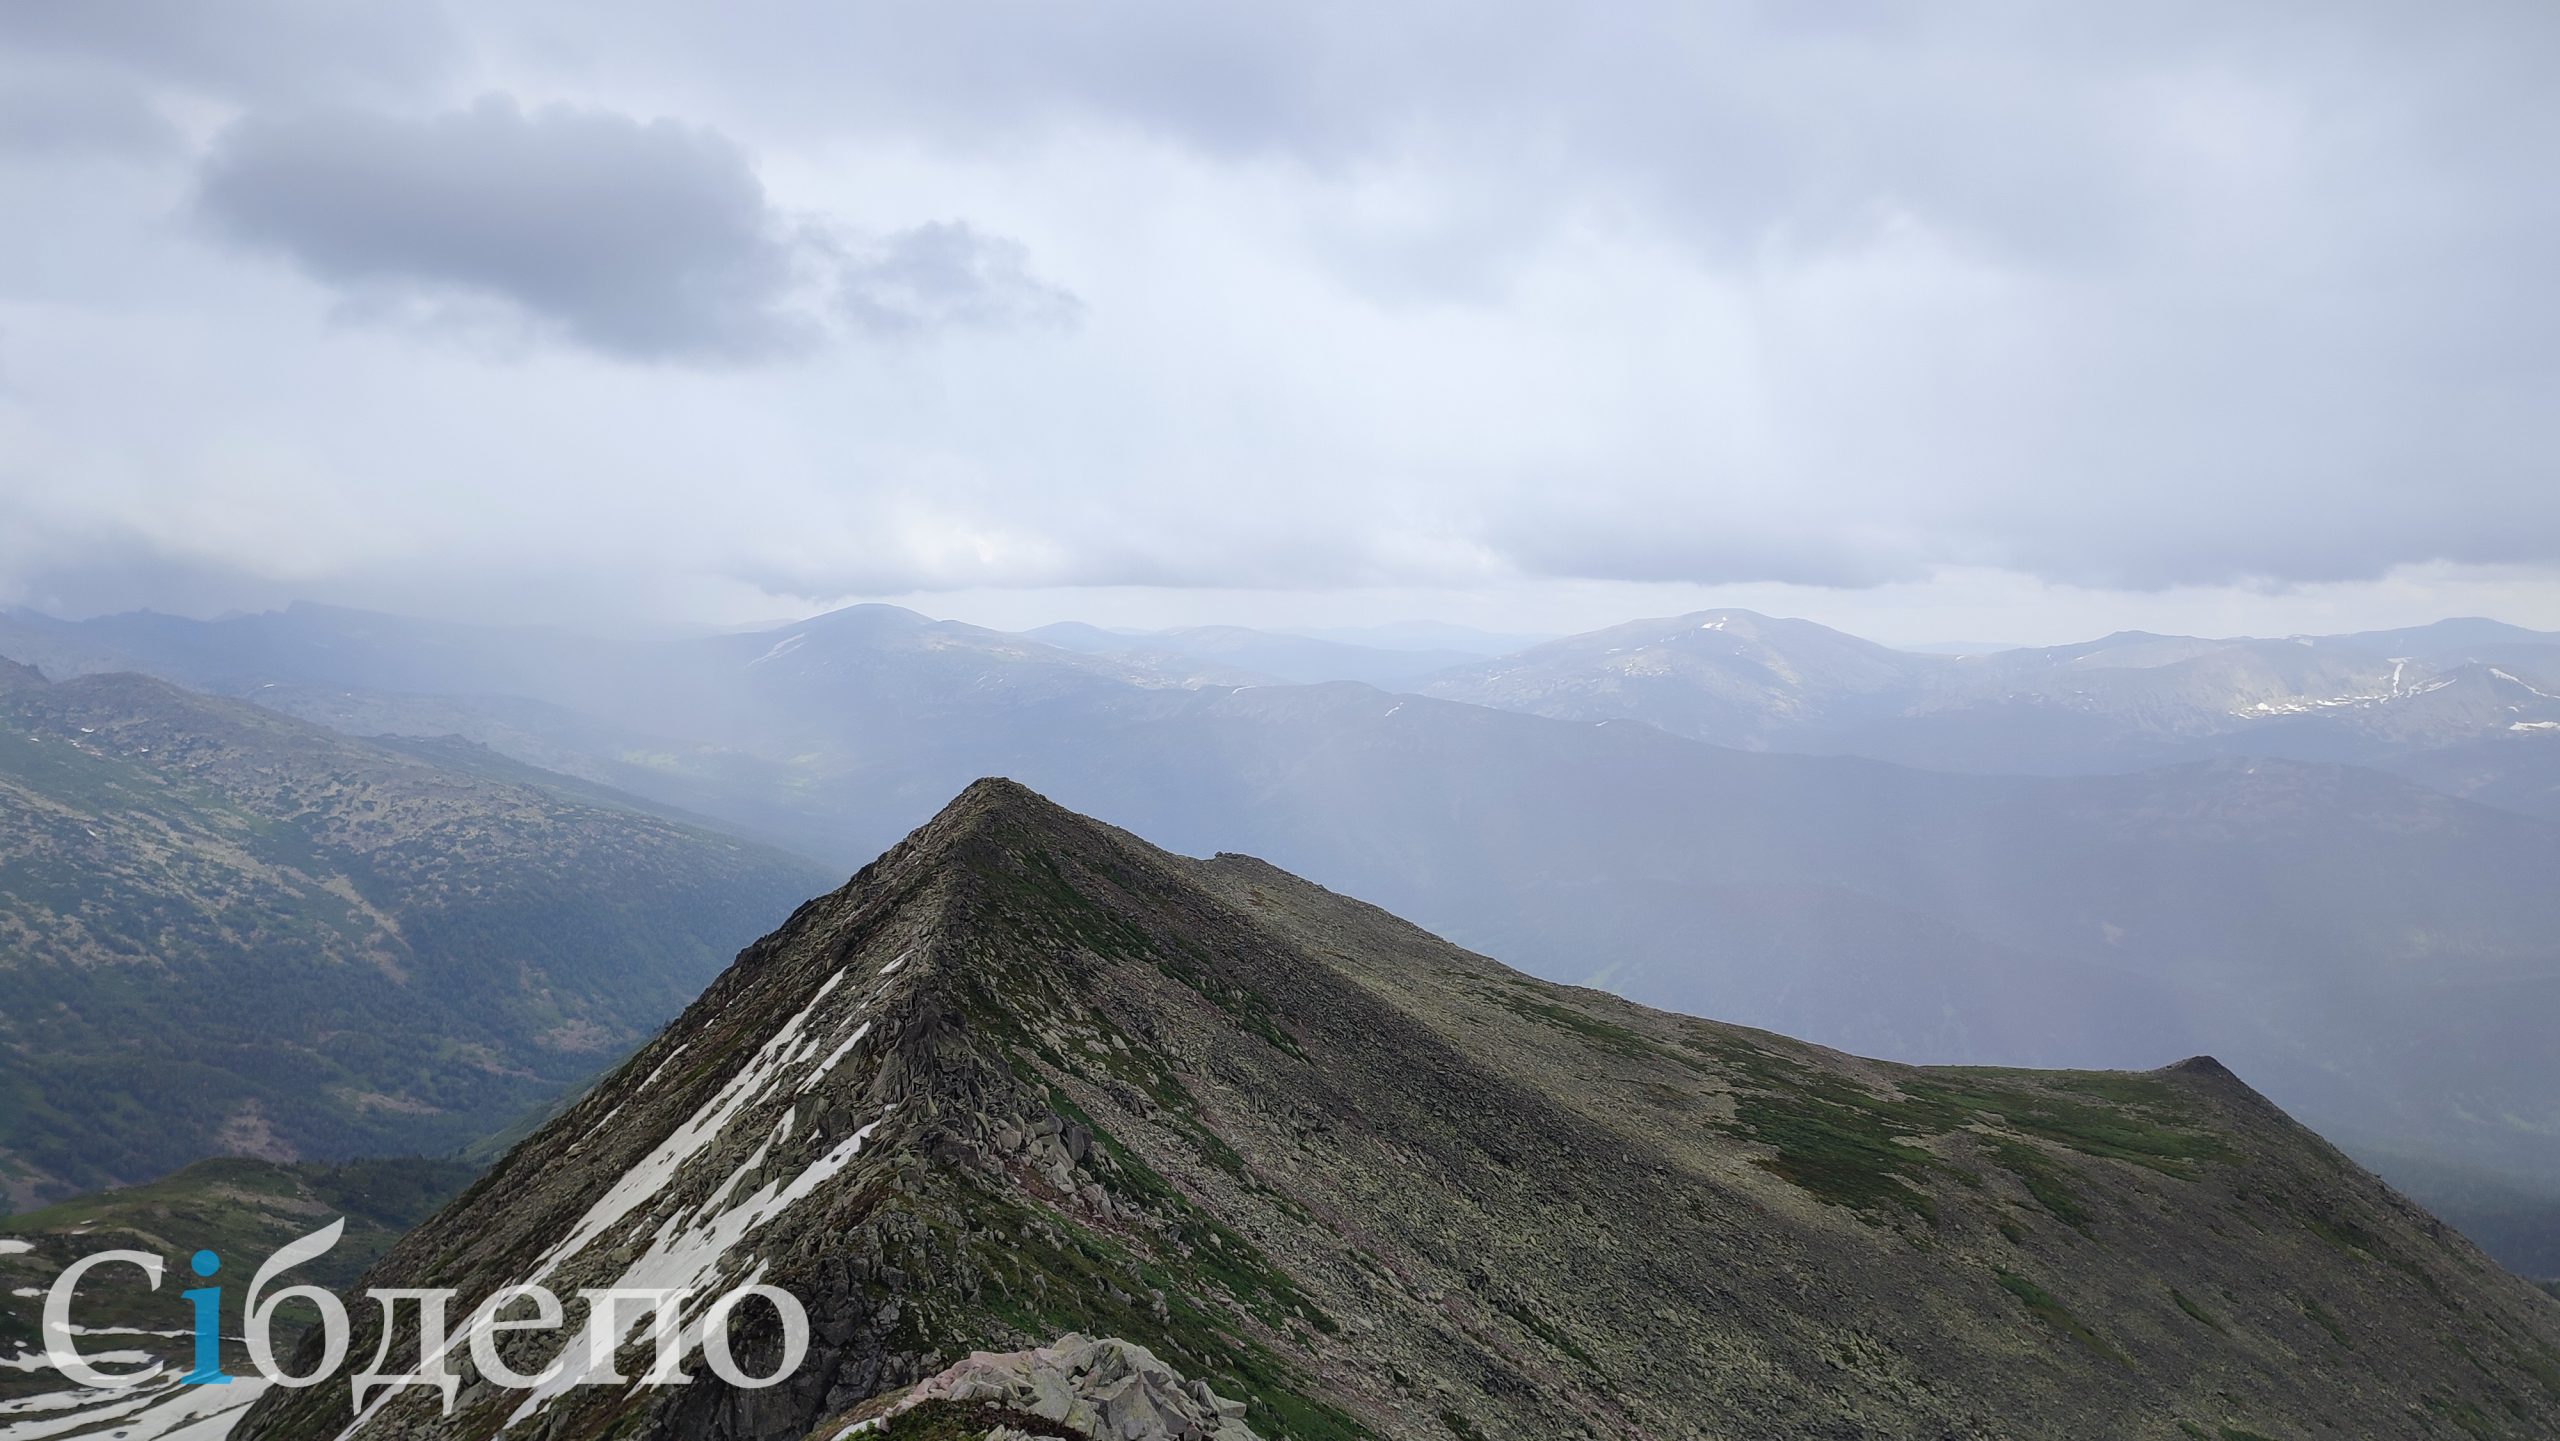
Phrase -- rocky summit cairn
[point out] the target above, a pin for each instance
(1106, 1389)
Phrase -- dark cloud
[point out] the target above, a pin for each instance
(645, 240)
(652, 241)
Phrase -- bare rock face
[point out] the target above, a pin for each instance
(1106, 1389)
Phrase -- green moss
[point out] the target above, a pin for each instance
(969, 1421)
(1050, 904)
(2043, 1182)
(2133, 1118)
(1035, 1274)
(1608, 1036)
(2320, 1317)
(1856, 1147)
(1539, 1327)
(1218, 1254)
(2194, 1311)
(1849, 1155)
(2041, 1305)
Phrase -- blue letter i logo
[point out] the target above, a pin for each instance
(208, 1302)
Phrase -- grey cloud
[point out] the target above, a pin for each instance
(244, 50)
(2169, 294)
(651, 241)
(75, 111)
(647, 241)
(946, 274)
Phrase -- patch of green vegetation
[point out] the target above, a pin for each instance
(1459, 1426)
(2320, 1317)
(1848, 1154)
(2194, 1311)
(2352, 1239)
(969, 1421)
(1057, 1276)
(1218, 1253)
(2041, 1305)
(1608, 1036)
(1855, 1147)
(2135, 1118)
(1539, 1327)
(2466, 1417)
(1051, 899)
(2235, 1433)
(2043, 1182)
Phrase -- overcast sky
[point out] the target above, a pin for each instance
(1978, 322)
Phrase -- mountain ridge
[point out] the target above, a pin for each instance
(1027, 1075)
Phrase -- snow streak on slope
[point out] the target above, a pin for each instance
(693, 1247)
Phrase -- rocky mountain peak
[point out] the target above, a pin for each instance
(1026, 1076)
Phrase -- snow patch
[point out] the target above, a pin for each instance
(782, 647)
(2519, 680)
(38, 1361)
(652, 1174)
(12, 1246)
(2308, 703)
(688, 1258)
(167, 1411)
(661, 1068)
(836, 1055)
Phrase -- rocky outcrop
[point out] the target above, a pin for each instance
(1106, 1389)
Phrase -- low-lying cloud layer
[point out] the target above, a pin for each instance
(796, 300)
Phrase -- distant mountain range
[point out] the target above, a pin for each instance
(1026, 1076)
(225, 930)
(2153, 877)
(2126, 702)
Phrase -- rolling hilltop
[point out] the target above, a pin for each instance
(224, 931)
(1026, 1075)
